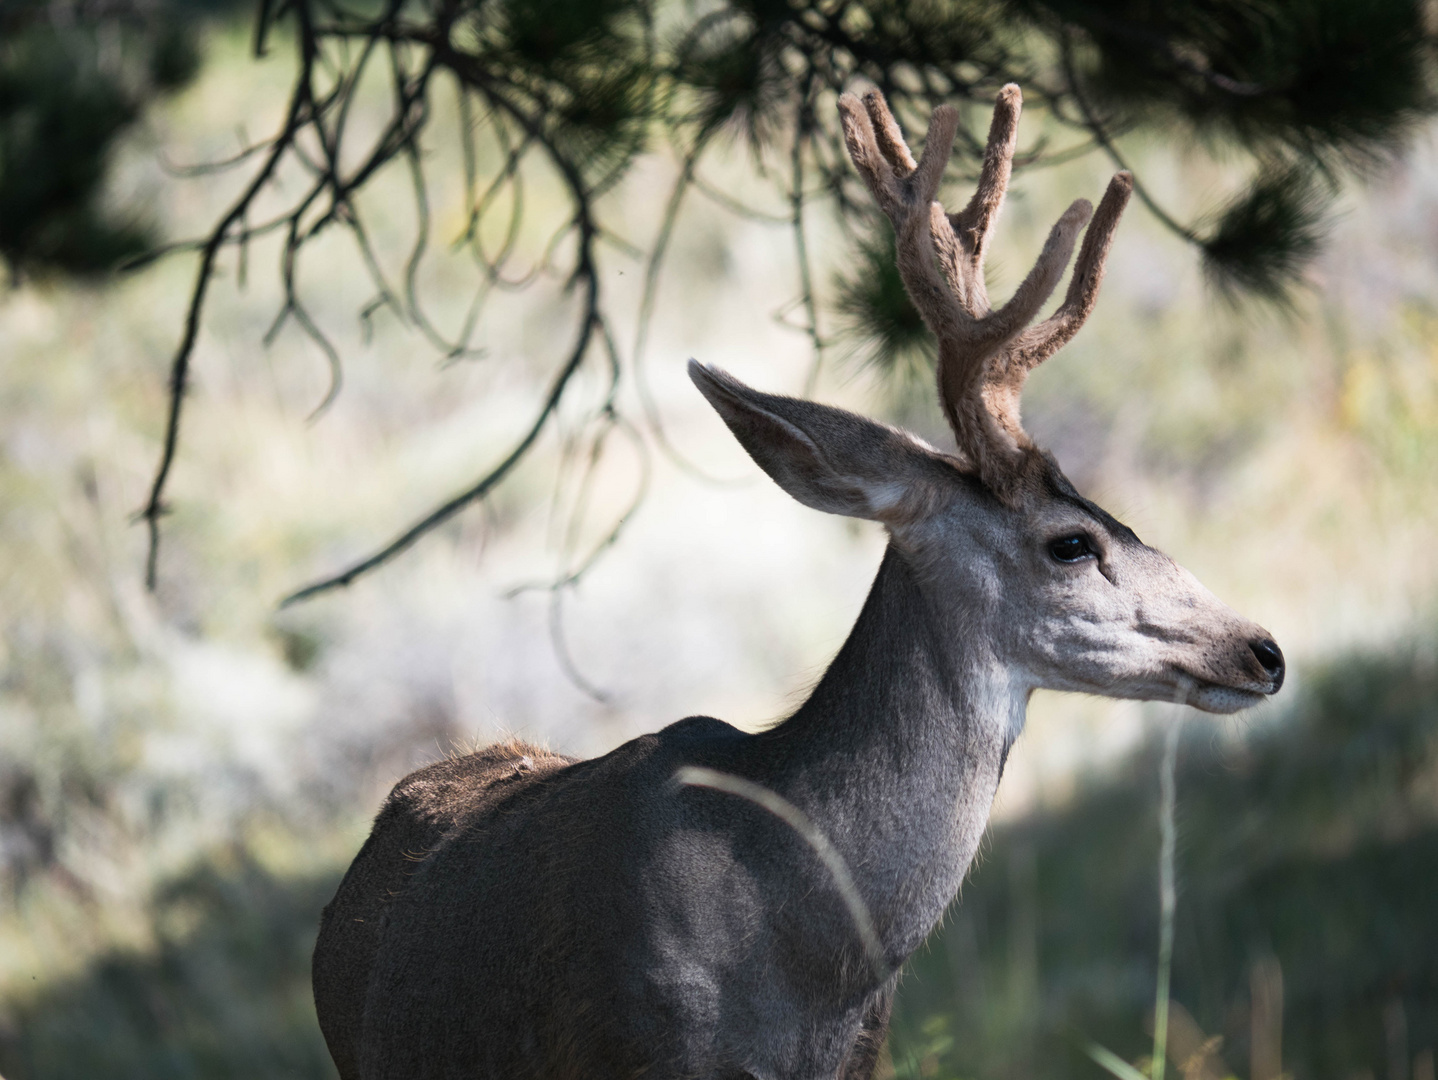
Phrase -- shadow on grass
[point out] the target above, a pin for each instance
(1314, 844)
(225, 993)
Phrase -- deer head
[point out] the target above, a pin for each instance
(1019, 567)
(610, 897)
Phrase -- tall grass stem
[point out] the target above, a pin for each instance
(1167, 892)
(796, 819)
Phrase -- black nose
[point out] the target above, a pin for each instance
(1270, 656)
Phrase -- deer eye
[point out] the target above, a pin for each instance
(1072, 548)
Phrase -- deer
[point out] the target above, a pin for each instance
(516, 913)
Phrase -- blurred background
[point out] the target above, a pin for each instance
(405, 251)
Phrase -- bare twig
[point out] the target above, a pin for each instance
(524, 108)
(208, 168)
(811, 834)
(682, 183)
(1167, 890)
(476, 491)
(1104, 139)
(154, 508)
(802, 127)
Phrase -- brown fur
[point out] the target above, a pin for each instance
(421, 809)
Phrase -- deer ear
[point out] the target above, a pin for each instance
(826, 458)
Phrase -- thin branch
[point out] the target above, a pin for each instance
(803, 124)
(647, 300)
(208, 168)
(1101, 136)
(239, 237)
(560, 644)
(622, 521)
(332, 358)
(478, 490)
(491, 268)
(1161, 45)
(584, 271)
(154, 508)
(524, 108)
(813, 836)
(385, 296)
(293, 306)
(575, 573)
(734, 206)
(569, 580)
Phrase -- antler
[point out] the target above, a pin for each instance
(984, 355)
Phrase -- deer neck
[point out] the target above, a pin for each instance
(897, 754)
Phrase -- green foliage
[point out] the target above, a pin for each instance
(1264, 239)
(58, 120)
(1307, 87)
(68, 90)
(877, 313)
(1302, 85)
(1314, 842)
(733, 77)
(587, 66)
(223, 992)
(1322, 78)
(1302, 88)
(558, 35)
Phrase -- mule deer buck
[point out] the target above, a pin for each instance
(516, 914)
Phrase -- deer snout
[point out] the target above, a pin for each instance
(1270, 658)
(1234, 668)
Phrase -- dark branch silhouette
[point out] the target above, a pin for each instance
(586, 87)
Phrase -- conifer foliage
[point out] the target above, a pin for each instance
(1311, 93)
(74, 76)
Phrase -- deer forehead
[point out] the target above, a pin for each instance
(1044, 509)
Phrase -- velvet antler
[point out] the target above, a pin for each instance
(984, 355)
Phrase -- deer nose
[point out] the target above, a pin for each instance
(1270, 657)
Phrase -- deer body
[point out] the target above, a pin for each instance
(517, 915)
(612, 923)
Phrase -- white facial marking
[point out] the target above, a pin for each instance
(1073, 600)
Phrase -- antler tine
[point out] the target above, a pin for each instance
(962, 375)
(961, 239)
(904, 191)
(968, 230)
(1004, 380)
(864, 151)
(1039, 342)
(877, 148)
(887, 134)
(984, 355)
